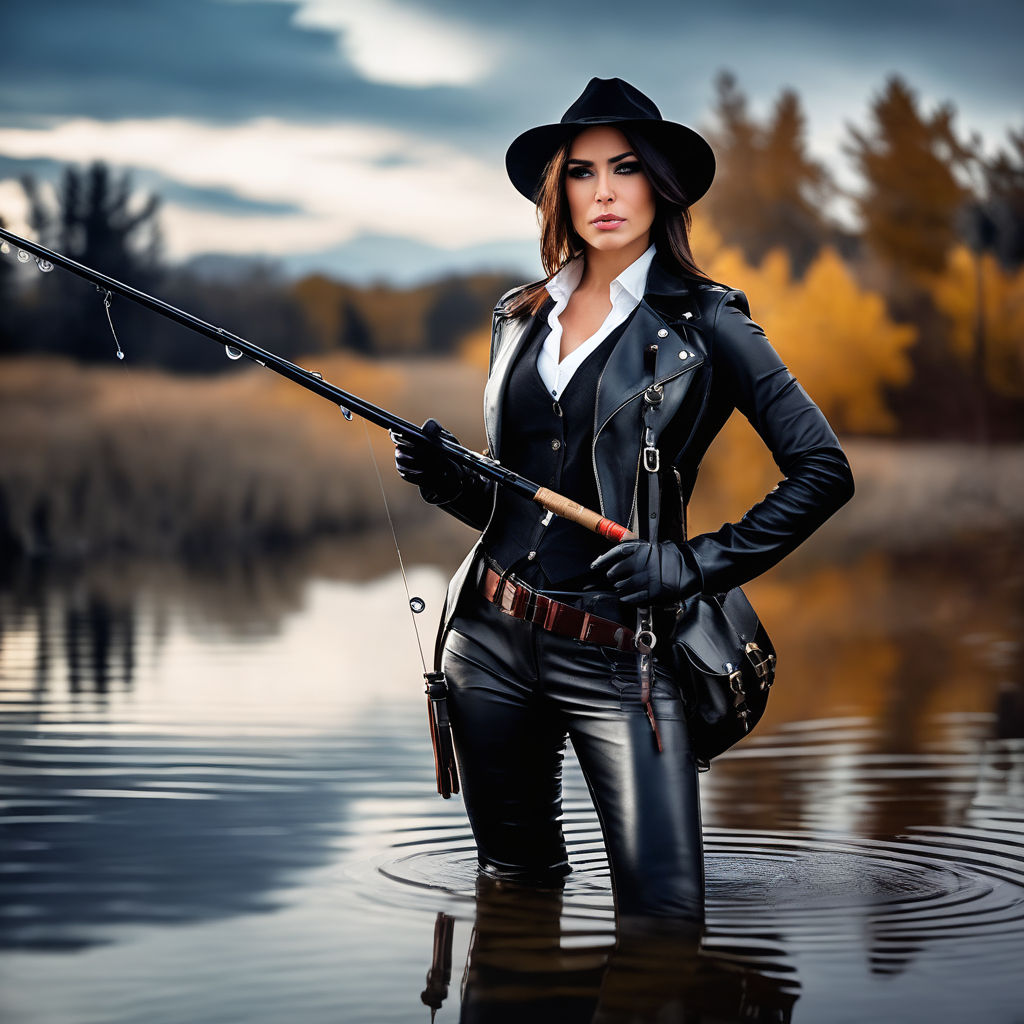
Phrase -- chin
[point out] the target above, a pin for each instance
(610, 241)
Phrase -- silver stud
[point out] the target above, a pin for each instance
(531, 556)
(663, 333)
(688, 315)
(684, 354)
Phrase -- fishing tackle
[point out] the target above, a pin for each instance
(349, 403)
(446, 768)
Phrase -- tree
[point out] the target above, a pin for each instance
(911, 195)
(795, 188)
(987, 329)
(355, 333)
(768, 192)
(455, 310)
(1004, 202)
(7, 322)
(732, 202)
(96, 221)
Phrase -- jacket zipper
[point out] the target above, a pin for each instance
(597, 431)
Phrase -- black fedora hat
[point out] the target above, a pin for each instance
(612, 101)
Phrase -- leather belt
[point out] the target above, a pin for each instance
(523, 602)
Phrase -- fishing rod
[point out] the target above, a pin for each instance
(313, 381)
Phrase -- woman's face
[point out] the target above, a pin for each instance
(611, 202)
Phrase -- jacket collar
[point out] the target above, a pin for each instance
(630, 282)
(666, 280)
(666, 295)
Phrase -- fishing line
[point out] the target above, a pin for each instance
(110, 320)
(416, 604)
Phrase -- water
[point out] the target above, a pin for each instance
(218, 805)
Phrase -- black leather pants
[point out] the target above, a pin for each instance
(516, 692)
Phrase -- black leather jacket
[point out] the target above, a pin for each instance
(711, 358)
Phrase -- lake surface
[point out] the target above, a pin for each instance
(218, 806)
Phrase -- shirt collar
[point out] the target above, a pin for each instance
(632, 280)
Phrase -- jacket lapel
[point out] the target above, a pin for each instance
(509, 337)
(625, 376)
(658, 320)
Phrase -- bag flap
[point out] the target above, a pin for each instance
(740, 613)
(706, 634)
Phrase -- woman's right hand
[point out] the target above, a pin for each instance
(425, 464)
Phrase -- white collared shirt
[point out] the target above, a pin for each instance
(625, 293)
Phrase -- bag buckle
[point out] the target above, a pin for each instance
(739, 700)
(763, 664)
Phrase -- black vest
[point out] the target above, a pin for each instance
(550, 442)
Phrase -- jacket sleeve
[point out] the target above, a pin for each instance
(474, 500)
(818, 480)
(471, 503)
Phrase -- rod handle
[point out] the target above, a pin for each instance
(576, 513)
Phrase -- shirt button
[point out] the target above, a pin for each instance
(663, 333)
(555, 445)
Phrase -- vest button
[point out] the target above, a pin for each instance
(555, 445)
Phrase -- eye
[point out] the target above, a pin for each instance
(632, 167)
(578, 172)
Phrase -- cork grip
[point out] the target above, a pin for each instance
(576, 513)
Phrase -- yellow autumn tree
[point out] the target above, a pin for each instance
(837, 340)
(955, 292)
(836, 337)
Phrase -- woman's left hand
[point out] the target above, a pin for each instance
(646, 573)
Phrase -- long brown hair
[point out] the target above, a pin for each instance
(559, 241)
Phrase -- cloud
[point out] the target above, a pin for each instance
(401, 43)
(216, 198)
(306, 123)
(227, 61)
(300, 187)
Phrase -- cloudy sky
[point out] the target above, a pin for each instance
(370, 134)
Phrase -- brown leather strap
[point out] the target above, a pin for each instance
(522, 602)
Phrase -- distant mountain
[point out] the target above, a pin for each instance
(372, 259)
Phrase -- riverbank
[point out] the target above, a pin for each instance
(100, 461)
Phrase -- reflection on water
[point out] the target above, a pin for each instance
(218, 804)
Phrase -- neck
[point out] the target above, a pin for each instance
(601, 267)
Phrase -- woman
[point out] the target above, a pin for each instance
(608, 381)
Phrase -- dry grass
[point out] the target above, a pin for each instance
(128, 460)
(123, 460)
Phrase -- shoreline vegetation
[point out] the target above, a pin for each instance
(120, 461)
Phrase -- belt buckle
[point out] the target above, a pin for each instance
(507, 596)
(520, 598)
(585, 628)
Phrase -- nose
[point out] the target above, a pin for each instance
(604, 193)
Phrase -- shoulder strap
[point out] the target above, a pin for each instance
(650, 461)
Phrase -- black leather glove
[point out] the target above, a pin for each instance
(646, 573)
(425, 464)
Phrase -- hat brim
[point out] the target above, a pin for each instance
(689, 152)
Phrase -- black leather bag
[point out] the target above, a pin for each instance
(724, 661)
(721, 656)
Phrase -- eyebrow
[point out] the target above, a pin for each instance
(611, 159)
